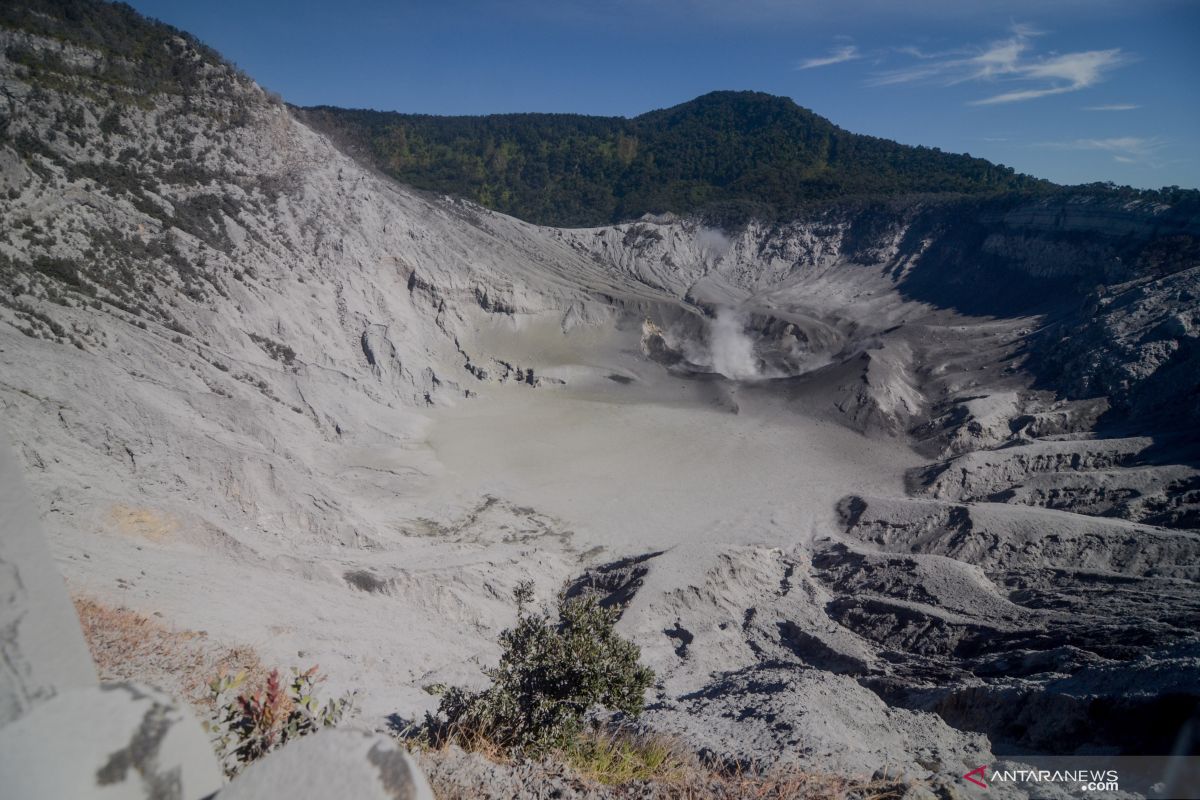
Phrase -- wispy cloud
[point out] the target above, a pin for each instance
(1124, 149)
(1025, 30)
(1069, 72)
(1011, 60)
(838, 55)
(953, 67)
(1113, 107)
(916, 52)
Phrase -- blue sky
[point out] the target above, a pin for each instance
(1071, 90)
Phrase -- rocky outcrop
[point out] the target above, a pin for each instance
(334, 764)
(1058, 595)
(118, 740)
(1137, 343)
(42, 652)
(785, 708)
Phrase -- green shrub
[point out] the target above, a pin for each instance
(551, 674)
(59, 269)
(245, 728)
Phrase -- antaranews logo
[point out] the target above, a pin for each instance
(978, 781)
(1087, 780)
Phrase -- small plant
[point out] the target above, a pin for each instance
(245, 728)
(620, 758)
(551, 674)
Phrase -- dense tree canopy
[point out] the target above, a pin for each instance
(725, 150)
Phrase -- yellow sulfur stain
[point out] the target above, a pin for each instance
(145, 523)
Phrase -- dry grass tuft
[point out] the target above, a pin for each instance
(619, 758)
(629, 766)
(127, 645)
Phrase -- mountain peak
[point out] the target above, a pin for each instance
(762, 153)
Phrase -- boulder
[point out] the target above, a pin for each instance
(333, 763)
(119, 742)
(42, 650)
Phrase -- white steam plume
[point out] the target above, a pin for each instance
(713, 243)
(731, 350)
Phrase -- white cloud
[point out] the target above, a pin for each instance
(1126, 143)
(1124, 149)
(916, 52)
(837, 56)
(998, 58)
(1069, 72)
(1025, 30)
(1113, 107)
(1001, 58)
(1012, 60)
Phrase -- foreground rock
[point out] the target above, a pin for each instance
(120, 741)
(333, 764)
(42, 651)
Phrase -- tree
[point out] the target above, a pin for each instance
(551, 674)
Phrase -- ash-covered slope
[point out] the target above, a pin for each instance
(268, 394)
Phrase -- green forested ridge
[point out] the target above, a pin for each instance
(724, 152)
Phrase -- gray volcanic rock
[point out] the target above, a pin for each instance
(333, 764)
(1138, 343)
(119, 740)
(42, 651)
(813, 716)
